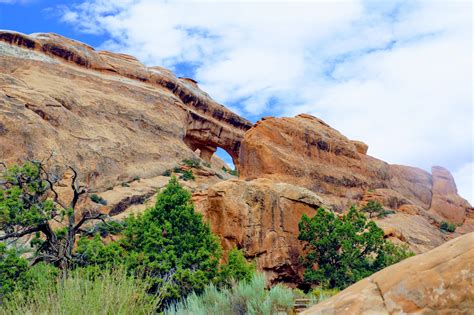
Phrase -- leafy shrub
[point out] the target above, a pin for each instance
(345, 249)
(169, 239)
(83, 292)
(177, 170)
(92, 251)
(237, 268)
(373, 207)
(172, 238)
(167, 173)
(447, 227)
(187, 175)
(136, 178)
(98, 199)
(13, 270)
(322, 294)
(231, 172)
(192, 163)
(244, 297)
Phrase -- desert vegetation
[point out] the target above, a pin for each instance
(165, 260)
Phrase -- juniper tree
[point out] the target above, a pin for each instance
(29, 203)
(343, 250)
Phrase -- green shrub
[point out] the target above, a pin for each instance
(237, 268)
(125, 184)
(244, 297)
(231, 172)
(345, 249)
(92, 251)
(13, 269)
(83, 292)
(98, 199)
(374, 208)
(192, 163)
(136, 178)
(177, 170)
(167, 173)
(322, 294)
(187, 175)
(171, 239)
(447, 227)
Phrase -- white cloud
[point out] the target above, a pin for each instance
(395, 74)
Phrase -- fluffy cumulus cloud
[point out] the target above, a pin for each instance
(395, 74)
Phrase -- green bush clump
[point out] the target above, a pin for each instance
(192, 163)
(167, 173)
(84, 292)
(13, 270)
(244, 297)
(447, 227)
(229, 171)
(346, 249)
(177, 170)
(168, 241)
(237, 268)
(188, 175)
(322, 294)
(374, 208)
(98, 199)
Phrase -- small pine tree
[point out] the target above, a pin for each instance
(171, 239)
(345, 249)
(374, 208)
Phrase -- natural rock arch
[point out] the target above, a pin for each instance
(207, 135)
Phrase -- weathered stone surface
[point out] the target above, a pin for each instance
(440, 281)
(115, 120)
(445, 201)
(106, 113)
(261, 217)
(305, 151)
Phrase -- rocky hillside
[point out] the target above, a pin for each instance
(124, 126)
(440, 281)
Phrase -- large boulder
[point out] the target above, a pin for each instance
(261, 218)
(440, 281)
(446, 201)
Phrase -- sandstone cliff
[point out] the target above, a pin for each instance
(122, 124)
(440, 281)
(107, 114)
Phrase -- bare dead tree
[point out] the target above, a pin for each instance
(29, 197)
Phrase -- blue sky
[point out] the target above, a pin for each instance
(395, 74)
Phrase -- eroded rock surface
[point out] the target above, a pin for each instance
(307, 152)
(106, 113)
(440, 281)
(261, 218)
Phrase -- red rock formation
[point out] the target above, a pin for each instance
(106, 113)
(446, 201)
(261, 217)
(306, 151)
(440, 281)
(116, 119)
